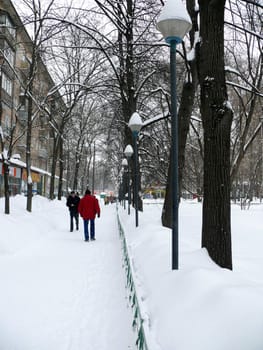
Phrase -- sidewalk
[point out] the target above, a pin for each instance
(57, 291)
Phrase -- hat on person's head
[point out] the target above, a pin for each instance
(87, 191)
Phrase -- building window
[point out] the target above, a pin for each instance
(7, 125)
(6, 84)
(9, 54)
(6, 23)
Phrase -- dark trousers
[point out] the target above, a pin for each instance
(74, 215)
(86, 229)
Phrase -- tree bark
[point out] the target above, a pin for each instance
(217, 119)
(61, 169)
(28, 143)
(56, 142)
(6, 185)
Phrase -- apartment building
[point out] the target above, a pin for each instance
(16, 65)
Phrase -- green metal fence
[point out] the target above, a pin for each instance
(138, 321)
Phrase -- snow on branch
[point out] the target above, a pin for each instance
(191, 54)
(1, 133)
(154, 120)
(196, 119)
(252, 89)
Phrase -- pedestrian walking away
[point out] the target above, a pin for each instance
(88, 209)
(73, 203)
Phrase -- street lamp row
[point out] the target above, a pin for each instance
(174, 22)
(135, 124)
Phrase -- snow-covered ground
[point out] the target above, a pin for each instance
(61, 293)
(57, 291)
(200, 306)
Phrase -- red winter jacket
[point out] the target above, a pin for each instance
(89, 207)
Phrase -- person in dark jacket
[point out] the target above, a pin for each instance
(88, 209)
(72, 203)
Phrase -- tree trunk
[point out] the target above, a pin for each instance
(28, 150)
(5, 165)
(53, 167)
(61, 169)
(217, 118)
(167, 212)
(6, 186)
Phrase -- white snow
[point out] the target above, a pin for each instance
(153, 120)
(5, 154)
(174, 9)
(57, 291)
(29, 179)
(1, 133)
(191, 53)
(61, 293)
(228, 105)
(201, 306)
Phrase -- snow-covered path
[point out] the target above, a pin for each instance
(57, 291)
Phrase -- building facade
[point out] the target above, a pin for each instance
(18, 68)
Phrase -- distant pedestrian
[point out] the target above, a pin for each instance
(72, 203)
(88, 209)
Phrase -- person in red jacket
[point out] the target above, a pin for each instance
(88, 208)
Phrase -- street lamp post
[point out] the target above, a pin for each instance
(174, 22)
(135, 124)
(128, 153)
(124, 164)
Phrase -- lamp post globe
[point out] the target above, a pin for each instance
(124, 162)
(135, 123)
(128, 151)
(174, 22)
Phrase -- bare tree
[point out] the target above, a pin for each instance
(37, 17)
(244, 72)
(76, 70)
(217, 119)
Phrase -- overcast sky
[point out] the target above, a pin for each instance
(23, 9)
